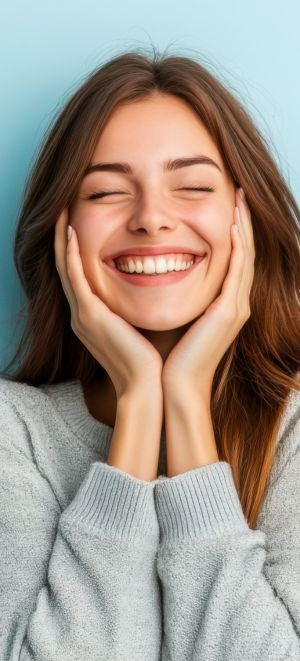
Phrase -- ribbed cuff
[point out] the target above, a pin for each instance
(113, 503)
(199, 503)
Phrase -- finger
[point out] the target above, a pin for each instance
(60, 232)
(60, 240)
(235, 272)
(60, 243)
(76, 273)
(240, 219)
(248, 272)
(246, 223)
(247, 231)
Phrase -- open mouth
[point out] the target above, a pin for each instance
(155, 279)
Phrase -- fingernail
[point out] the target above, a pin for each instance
(70, 229)
(242, 194)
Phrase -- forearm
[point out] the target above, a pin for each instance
(189, 433)
(135, 442)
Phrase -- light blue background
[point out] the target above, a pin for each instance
(47, 48)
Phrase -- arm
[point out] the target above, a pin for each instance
(80, 583)
(230, 592)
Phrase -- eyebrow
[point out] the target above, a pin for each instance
(168, 166)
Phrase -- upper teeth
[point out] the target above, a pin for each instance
(159, 264)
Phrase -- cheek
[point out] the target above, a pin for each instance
(90, 231)
(212, 222)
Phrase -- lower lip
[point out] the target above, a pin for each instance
(155, 280)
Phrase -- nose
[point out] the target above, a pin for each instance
(151, 216)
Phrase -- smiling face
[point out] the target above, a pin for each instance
(151, 207)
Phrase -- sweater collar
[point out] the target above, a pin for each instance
(68, 398)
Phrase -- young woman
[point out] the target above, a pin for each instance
(150, 436)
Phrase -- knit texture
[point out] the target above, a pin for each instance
(96, 564)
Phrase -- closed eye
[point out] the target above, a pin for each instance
(206, 190)
(101, 194)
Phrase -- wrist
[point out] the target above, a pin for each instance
(189, 435)
(135, 443)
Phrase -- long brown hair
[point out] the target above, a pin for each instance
(255, 376)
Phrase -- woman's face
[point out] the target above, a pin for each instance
(150, 207)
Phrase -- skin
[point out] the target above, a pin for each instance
(154, 211)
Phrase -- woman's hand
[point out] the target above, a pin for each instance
(191, 365)
(130, 359)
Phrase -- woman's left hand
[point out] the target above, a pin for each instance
(193, 361)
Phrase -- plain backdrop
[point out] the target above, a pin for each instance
(48, 48)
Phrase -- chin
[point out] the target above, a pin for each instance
(163, 324)
(155, 326)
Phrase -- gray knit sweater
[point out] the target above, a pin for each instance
(96, 564)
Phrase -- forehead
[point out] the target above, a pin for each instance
(154, 128)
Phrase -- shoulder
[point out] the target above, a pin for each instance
(22, 409)
(291, 415)
(19, 395)
(288, 439)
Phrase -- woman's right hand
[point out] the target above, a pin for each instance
(130, 359)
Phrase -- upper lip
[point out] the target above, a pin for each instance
(155, 250)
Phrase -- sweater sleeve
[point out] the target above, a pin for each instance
(78, 584)
(230, 592)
